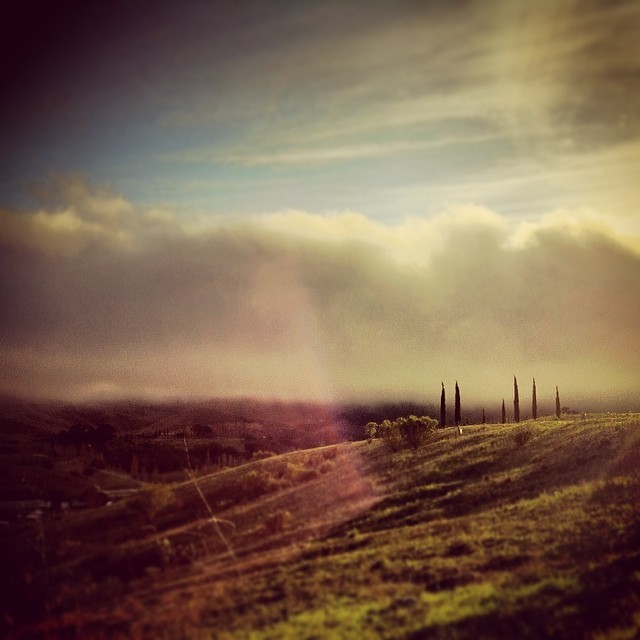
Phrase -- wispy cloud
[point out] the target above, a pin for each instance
(386, 95)
(486, 92)
(322, 155)
(507, 60)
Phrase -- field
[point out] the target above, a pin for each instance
(506, 531)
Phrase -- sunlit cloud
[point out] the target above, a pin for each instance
(296, 304)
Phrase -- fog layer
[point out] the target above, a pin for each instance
(104, 300)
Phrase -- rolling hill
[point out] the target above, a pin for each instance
(528, 531)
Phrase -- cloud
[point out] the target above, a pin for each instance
(322, 154)
(294, 304)
(82, 218)
(337, 70)
(535, 104)
(348, 106)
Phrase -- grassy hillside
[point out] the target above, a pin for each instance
(524, 531)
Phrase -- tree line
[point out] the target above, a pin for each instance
(516, 405)
(412, 430)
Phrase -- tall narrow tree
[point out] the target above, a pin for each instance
(516, 401)
(504, 413)
(484, 418)
(558, 408)
(443, 409)
(457, 407)
(534, 401)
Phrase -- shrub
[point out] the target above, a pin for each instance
(304, 475)
(151, 502)
(390, 434)
(522, 436)
(371, 431)
(415, 430)
(258, 483)
(327, 466)
(330, 454)
(411, 431)
(277, 522)
(459, 548)
(293, 473)
(262, 455)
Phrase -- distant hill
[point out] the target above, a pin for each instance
(297, 423)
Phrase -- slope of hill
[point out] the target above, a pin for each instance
(525, 531)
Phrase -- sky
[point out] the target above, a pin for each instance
(320, 200)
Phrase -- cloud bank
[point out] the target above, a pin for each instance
(102, 299)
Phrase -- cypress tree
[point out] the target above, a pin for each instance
(534, 401)
(443, 409)
(504, 413)
(484, 419)
(516, 401)
(457, 406)
(558, 409)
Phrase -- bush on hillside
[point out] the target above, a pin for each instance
(262, 455)
(407, 431)
(151, 502)
(277, 522)
(522, 435)
(326, 466)
(257, 483)
(415, 430)
(390, 434)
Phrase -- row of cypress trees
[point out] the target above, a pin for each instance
(443, 407)
(516, 405)
(534, 403)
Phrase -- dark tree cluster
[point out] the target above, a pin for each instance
(201, 431)
(78, 435)
(357, 415)
(406, 431)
